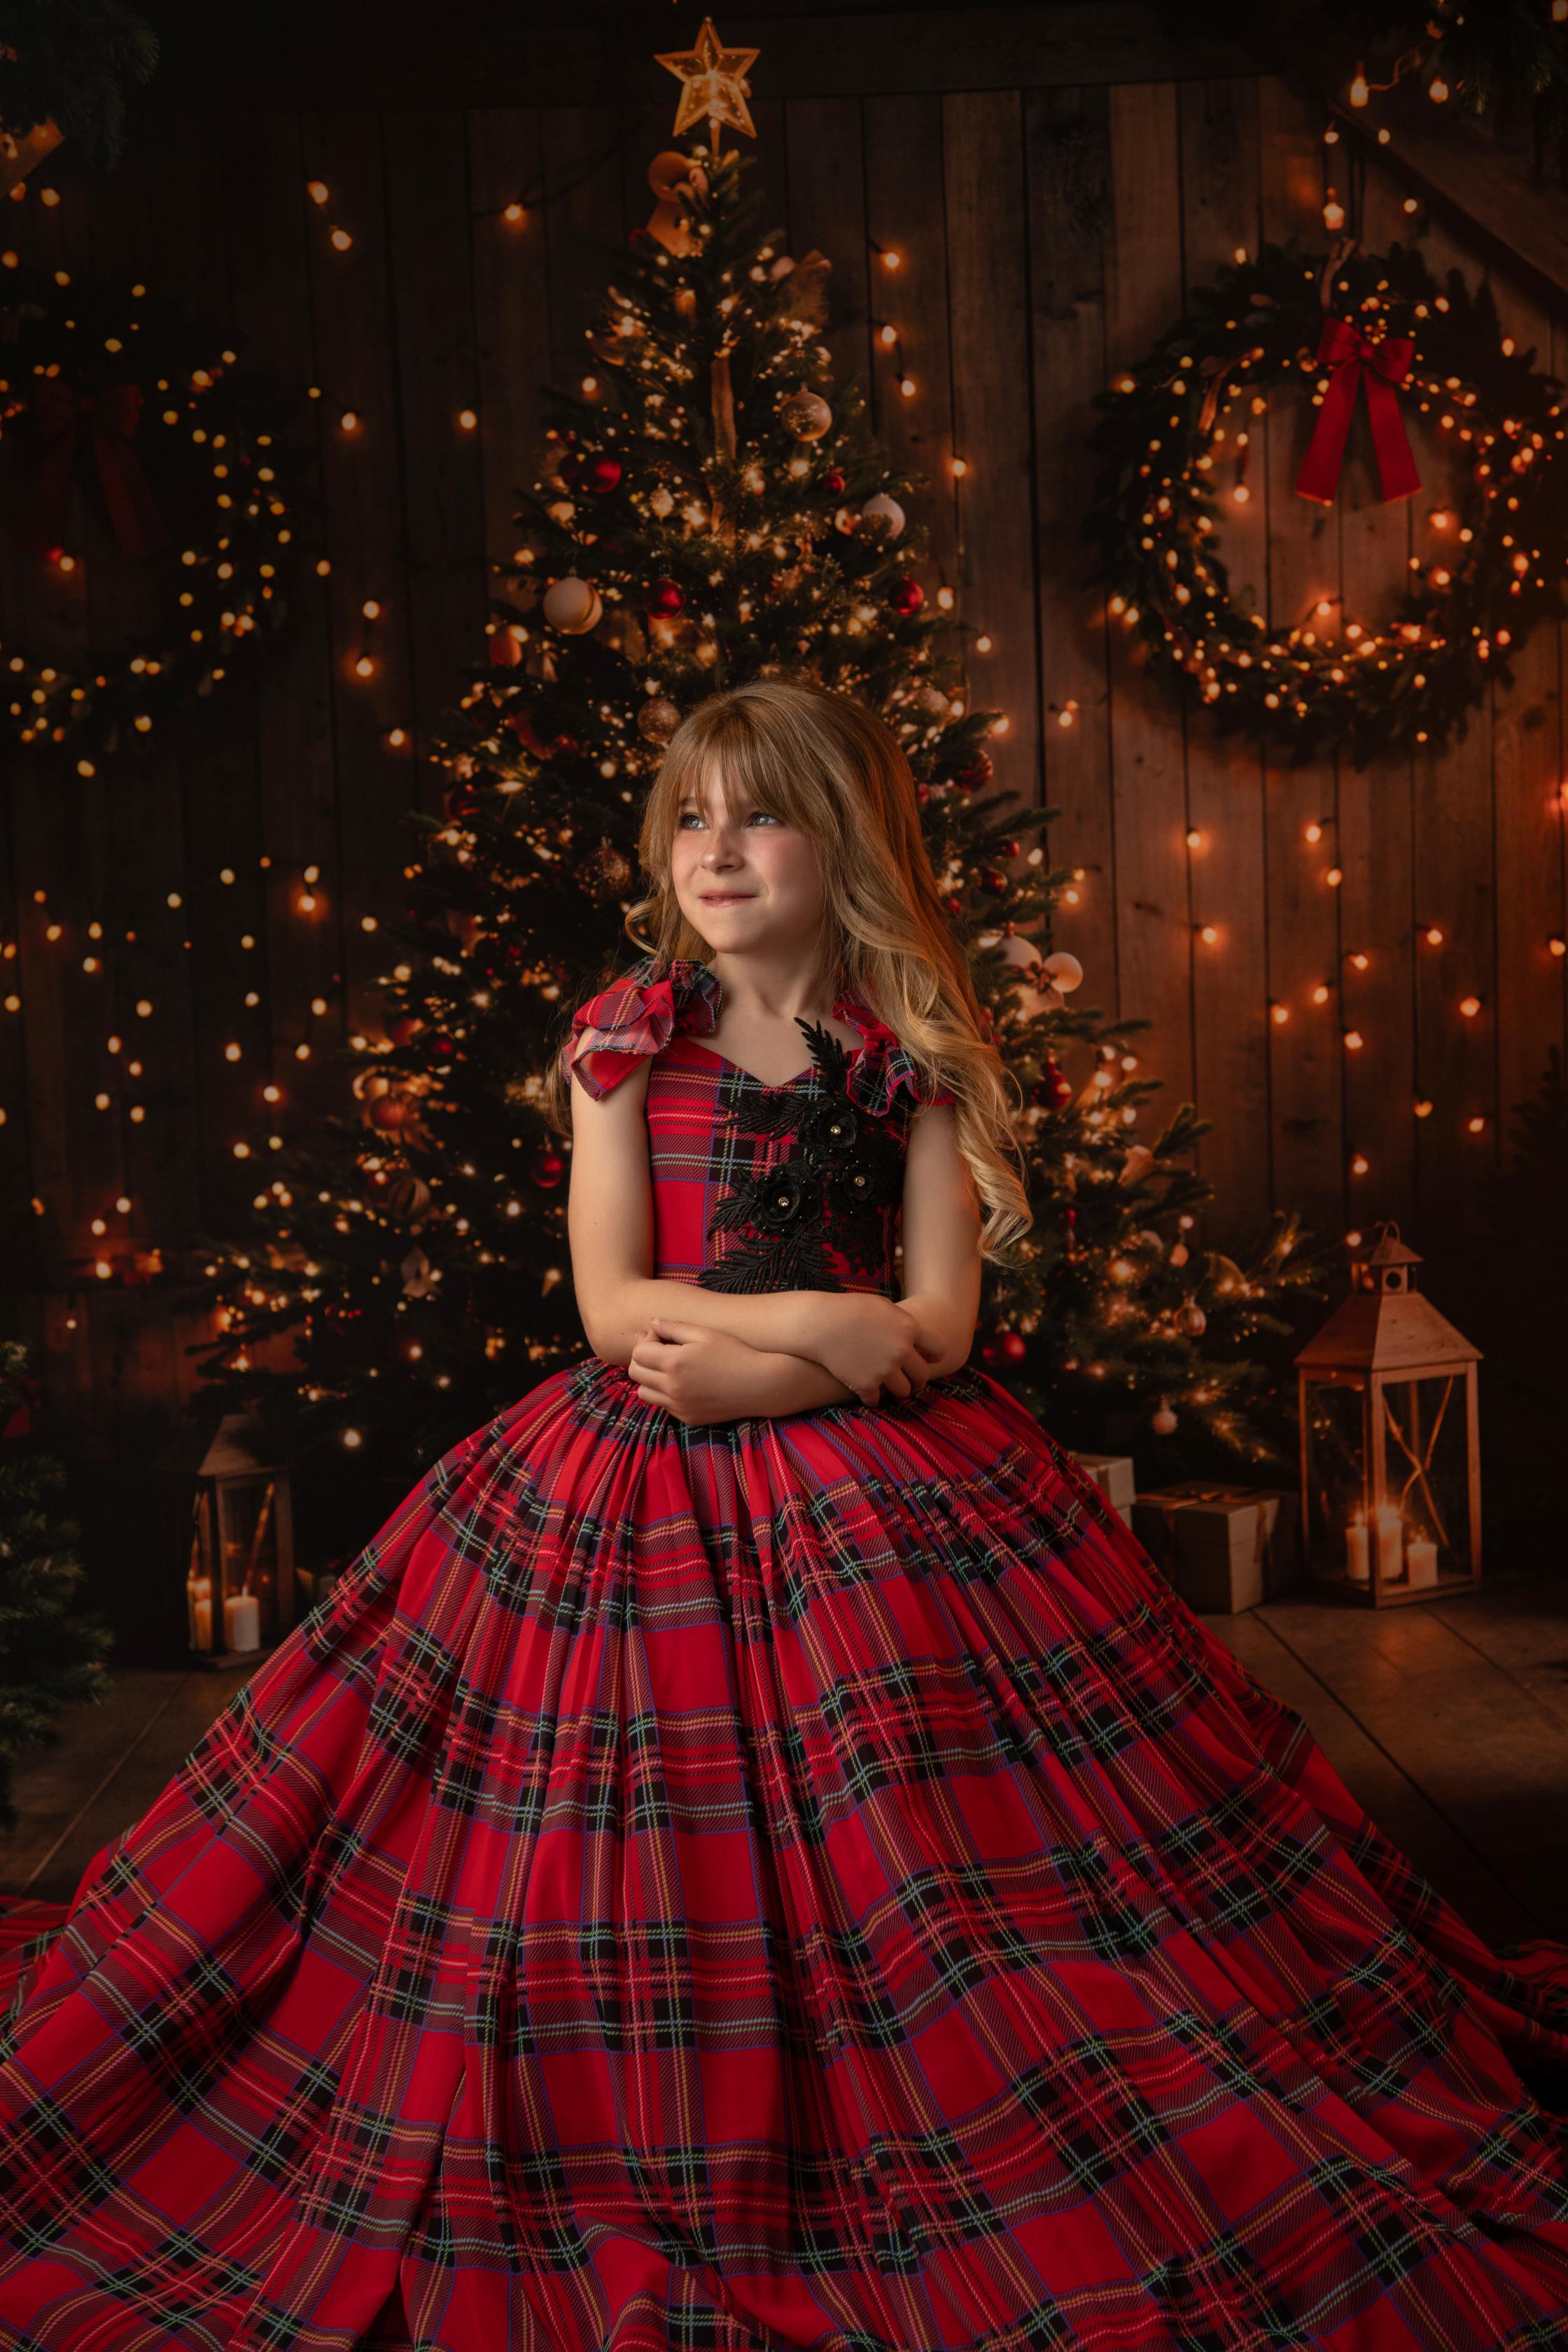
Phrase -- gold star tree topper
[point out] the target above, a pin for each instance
(714, 84)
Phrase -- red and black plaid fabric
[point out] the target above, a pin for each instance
(790, 1882)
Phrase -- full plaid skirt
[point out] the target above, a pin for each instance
(792, 1883)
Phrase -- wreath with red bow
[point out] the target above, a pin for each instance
(1367, 339)
(152, 502)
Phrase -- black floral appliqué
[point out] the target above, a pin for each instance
(830, 1196)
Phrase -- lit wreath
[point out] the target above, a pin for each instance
(1364, 337)
(184, 458)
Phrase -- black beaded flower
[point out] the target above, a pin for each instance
(829, 1196)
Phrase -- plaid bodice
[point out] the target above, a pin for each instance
(793, 1187)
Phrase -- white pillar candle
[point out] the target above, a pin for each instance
(1421, 1555)
(1390, 1543)
(1356, 1551)
(242, 1620)
(199, 1599)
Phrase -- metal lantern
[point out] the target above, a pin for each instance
(239, 1577)
(1391, 1475)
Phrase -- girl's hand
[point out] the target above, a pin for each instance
(870, 1343)
(699, 1374)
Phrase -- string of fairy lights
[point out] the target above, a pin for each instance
(98, 938)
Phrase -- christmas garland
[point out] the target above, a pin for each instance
(184, 460)
(1176, 437)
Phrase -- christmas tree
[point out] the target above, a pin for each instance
(711, 508)
(49, 1655)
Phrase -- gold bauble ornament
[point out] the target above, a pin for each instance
(659, 719)
(572, 605)
(606, 873)
(806, 414)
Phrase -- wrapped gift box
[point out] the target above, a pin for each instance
(1113, 1474)
(1225, 1549)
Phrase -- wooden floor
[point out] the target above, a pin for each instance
(1448, 1721)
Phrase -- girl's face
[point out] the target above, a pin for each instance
(742, 877)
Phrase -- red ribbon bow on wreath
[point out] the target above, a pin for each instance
(1352, 360)
(113, 413)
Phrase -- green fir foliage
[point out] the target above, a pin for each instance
(50, 1655)
(73, 61)
(409, 1274)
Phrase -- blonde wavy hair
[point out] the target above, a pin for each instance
(831, 769)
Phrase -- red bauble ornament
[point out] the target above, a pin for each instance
(833, 480)
(405, 1029)
(547, 1170)
(389, 1112)
(1014, 1350)
(464, 801)
(601, 474)
(505, 651)
(974, 772)
(906, 595)
(666, 599)
(442, 1048)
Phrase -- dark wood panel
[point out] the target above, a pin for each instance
(499, 54)
(512, 316)
(906, 216)
(992, 423)
(362, 472)
(1068, 151)
(828, 211)
(272, 220)
(1306, 1080)
(1456, 888)
(1375, 838)
(1155, 915)
(1220, 216)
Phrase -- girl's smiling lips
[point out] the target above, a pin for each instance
(725, 897)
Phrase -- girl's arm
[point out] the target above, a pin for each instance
(702, 1374)
(941, 1265)
(610, 1225)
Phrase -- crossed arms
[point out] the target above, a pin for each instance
(709, 1355)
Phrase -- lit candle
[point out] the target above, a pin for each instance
(199, 1599)
(242, 1620)
(1356, 1549)
(1422, 1555)
(1390, 1544)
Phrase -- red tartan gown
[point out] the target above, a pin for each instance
(791, 1883)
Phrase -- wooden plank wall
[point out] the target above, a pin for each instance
(1045, 235)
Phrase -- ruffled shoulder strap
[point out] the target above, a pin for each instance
(884, 1066)
(636, 1017)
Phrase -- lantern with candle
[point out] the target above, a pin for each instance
(232, 1504)
(1391, 1486)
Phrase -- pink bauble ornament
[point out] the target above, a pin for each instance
(1065, 971)
(885, 512)
(1162, 1421)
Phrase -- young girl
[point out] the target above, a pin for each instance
(754, 1855)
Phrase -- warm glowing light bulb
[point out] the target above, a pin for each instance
(1360, 90)
(960, 468)
(370, 609)
(1437, 89)
(891, 257)
(1333, 213)
(513, 214)
(1469, 1006)
(907, 386)
(341, 240)
(1434, 936)
(318, 191)
(889, 335)
(348, 420)
(467, 419)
